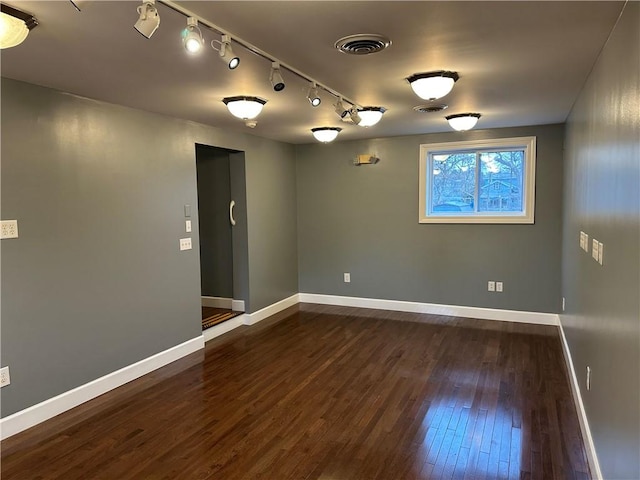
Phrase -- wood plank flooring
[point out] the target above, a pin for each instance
(329, 393)
(213, 316)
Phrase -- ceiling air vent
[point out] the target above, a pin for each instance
(430, 108)
(363, 44)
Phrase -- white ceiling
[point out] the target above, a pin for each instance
(520, 63)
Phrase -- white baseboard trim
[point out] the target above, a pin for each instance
(433, 308)
(40, 412)
(590, 447)
(222, 328)
(255, 317)
(222, 302)
(237, 305)
(217, 302)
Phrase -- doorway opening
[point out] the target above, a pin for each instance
(223, 233)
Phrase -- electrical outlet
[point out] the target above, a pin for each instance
(491, 286)
(499, 287)
(9, 229)
(5, 378)
(185, 244)
(588, 378)
(347, 278)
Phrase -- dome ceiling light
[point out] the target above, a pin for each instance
(463, 121)
(370, 115)
(243, 107)
(433, 85)
(326, 134)
(14, 26)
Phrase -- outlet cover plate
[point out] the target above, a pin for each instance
(185, 244)
(5, 379)
(9, 229)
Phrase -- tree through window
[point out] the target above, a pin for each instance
(487, 181)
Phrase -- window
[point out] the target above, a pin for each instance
(479, 181)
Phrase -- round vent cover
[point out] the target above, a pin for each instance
(363, 44)
(430, 108)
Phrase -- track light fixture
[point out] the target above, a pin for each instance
(463, 121)
(149, 19)
(225, 52)
(192, 36)
(370, 115)
(247, 108)
(243, 107)
(433, 85)
(354, 115)
(275, 77)
(312, 96)
(325, 134)
(340, 108)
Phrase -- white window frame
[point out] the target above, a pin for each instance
(528, 144)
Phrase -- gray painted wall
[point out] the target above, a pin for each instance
(216, 244)
(364, 220)
(96, 281)
(239, 233)
(602, 198)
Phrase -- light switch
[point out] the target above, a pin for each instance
(594, 249)
(187, 210)
(600, 252)
(491, 286)
(586, 243)
(498, 286)
(187, 226)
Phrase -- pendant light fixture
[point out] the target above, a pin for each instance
(149, 19)
(14, 26)
(433, 85)
(325, 134)
(463, 121)
(243, 107)
(369, 116)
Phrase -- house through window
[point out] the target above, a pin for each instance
(482, 181)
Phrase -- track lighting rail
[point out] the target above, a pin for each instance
(253, 49)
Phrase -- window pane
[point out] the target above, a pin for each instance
(500, 185)
(453, 182)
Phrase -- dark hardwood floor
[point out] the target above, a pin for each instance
(329, 393)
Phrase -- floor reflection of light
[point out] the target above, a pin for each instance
(454, 443)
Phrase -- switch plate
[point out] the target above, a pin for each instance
(187, 210)
(586, 243)
(594, 249)
(582, 240)
(9, 229)
(563, 304)
(347, 278)
(498, 286)
(187, 226)
(491, 286)
(5, 379)
(588, 378)
(185, 244)
(600, 252)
